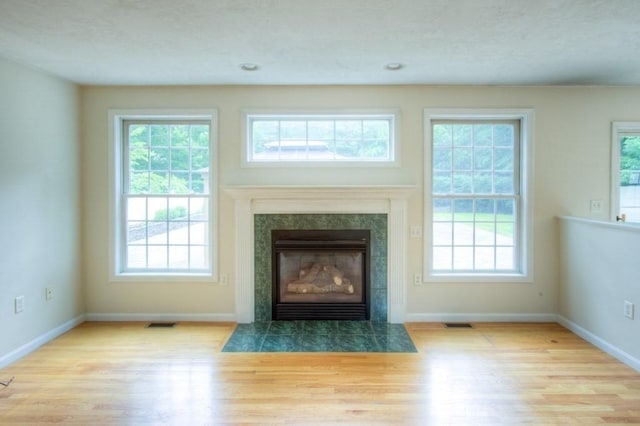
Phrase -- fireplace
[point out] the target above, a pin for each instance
(320, 274)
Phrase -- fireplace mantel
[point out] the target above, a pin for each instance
(251, 200)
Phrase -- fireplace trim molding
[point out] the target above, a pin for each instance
(252, 200)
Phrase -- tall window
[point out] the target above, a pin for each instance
(625, 179)
(476, 210)
(320, 138)
(164, 203)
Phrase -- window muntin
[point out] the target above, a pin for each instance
(625, 179)
(320, 138)
(476, 206)
(165, 196)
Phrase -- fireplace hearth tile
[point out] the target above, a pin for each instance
(320, 336)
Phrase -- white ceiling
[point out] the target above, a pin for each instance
(143, 42)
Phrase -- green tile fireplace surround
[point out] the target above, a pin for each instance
(376, 223)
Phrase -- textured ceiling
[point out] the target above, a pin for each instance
(531, 42)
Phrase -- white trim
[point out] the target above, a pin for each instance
(526, 117)
(330, 114)
(480, 317)
(115, 117)
(251, 200)
(604, 224)
(602, 344)
(618, 127)
(151, 317)
(31, 346)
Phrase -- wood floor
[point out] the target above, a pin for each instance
(493, 374)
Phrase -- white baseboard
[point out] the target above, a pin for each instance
(159, 317)
(600, 343)
(31, 346)
(444, 317)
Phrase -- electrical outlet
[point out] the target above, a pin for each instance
(224, 279)
(48, 293)
(415, 231)
(19, 304)
(417, 279)
(628, 309)
(596, 206)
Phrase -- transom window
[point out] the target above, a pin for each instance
(475, 197)
(165, 203)
(322, 138)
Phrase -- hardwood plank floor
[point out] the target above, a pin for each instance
(493, 374)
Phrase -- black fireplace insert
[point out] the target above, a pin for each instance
(320, 274)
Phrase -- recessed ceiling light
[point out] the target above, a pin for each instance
(394, 66)
(249, 66)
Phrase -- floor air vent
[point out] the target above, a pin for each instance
(161, 325)
(457, 325)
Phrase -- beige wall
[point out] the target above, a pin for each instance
(571, 146)
(40, 197)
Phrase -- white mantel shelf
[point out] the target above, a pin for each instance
(369, 192)
(252, 200)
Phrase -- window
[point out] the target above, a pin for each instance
(476, 205)
(625, 167)
(164, 191)
(320, 138)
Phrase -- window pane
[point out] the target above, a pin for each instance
(462, 183)
(157, 257)
(505, 258)
(198, 257)
(321, 139)
(504, 183)
(503, 135)
(484, 258)
(462, 135)
(159, 135)
(503, 159)
(442, 159)
(179, 136)
(483, 183)
(462, 158)
(442, 210)
(200, 136)
(442, 135)
(463, 258)
(442, 233)
(462, 233)
(483, 159)
(442, 258)
(178, 257)
(159, 159)
(483, 135)
(136, 257)
(442, 182)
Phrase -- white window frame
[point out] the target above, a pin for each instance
(525, 231)
(340, 114)
(116, 157)
(618, 128)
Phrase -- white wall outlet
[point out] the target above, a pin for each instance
(417, 279)
(224, 279)
(596, 206)
(19, 304)
(415, 231)
(48, 293)
(628, 309)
